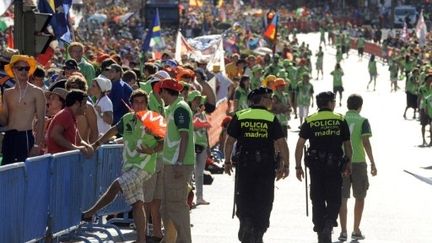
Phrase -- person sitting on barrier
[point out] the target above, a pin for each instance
(139, 155)
(19, 107)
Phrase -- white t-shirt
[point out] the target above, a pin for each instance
(106, 105)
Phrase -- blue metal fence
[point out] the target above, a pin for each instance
(37, 196)
(12, 195)
(46, 194)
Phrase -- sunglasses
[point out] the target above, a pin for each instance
(26, 68)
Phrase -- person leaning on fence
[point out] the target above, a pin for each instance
(139, 155)
(20, 105)
(62, 133)
(327, 132)
(257, 132)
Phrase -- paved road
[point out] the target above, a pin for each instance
(398, 206)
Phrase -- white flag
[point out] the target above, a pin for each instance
(421, 30)
(4, 5)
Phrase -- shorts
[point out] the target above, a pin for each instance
(360, 50)
(303, 110)
(319, 66)
(338, 89)
(359, 181)
(16, 146)
(424, 118)
(131, 183)
(153, 187)
(411, 100)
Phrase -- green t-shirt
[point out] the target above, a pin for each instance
(428, 105)
(361, 42)
(304, 94)
(134, 136)
(200, 133)
(337, 77)
(88, 71)
(394, 70)
(282, 98)
(412, 85)
(372, 67)
(179, 118)
(359, 128)
(320, 58)
(241, 96)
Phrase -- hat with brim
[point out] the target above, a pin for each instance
(62, 93)
(196, 94)
(20, 58)
(169, 83)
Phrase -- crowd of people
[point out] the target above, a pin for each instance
(97, 89)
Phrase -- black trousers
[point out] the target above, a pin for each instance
(325, 193)
(255, 191)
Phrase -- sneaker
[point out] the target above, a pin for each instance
(201, 202)
(357, 236)
(343, 236)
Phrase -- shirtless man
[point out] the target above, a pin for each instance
(20, 106)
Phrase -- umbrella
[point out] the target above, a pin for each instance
(100, 18)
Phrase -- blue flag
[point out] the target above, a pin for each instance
(60, 19)
(153, 39)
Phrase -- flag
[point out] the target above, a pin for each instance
(4, 5)
(421, 30)
(60, 19)
(270, 32)
(153, 39)
(404, 35)
(5, 23)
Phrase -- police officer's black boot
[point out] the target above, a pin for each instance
(325, 235)
(245, 233)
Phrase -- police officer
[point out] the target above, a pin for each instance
(327, 132)
(257, 132)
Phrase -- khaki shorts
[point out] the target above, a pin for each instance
(153, 187)
(359, 181)
(131, 183)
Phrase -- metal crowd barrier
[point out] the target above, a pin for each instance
(44, 196)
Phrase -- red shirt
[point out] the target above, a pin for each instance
(66, 119)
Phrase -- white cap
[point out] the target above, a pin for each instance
(159, 75)
(104, 83)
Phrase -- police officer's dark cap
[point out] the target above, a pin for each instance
(325, 96)
(260, 91)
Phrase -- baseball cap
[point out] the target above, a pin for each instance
(104, 83)
(169, 83)
(114, 67)
(194, 94)
(71, 64)
(159, 75)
